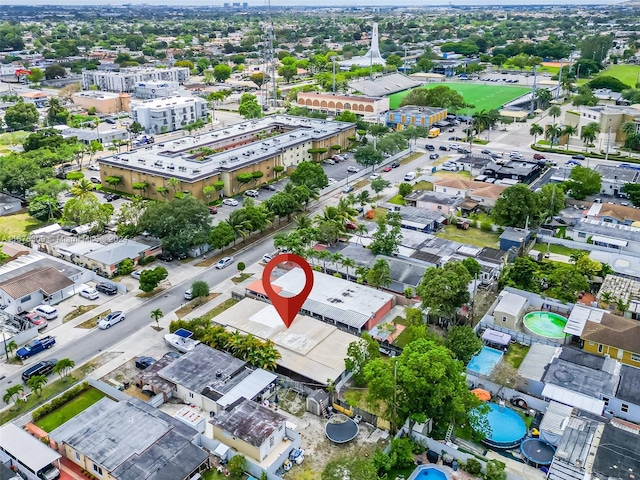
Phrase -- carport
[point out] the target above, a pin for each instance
(26, 451)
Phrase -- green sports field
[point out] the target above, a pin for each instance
(625, 73)
(483, 97)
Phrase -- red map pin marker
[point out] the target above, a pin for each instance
(287, 307)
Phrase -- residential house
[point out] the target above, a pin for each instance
(625, 403)
(534, 366)
(616, 456)
(484, 194)
(434, 201)
(514, 238)
(510, 310)
(474, 164)
(130, 440)
(250, 429)
(615, 336)
(615, 236)
(613, 178)
(9, 204)
(518, 170)
(613, 213)
(25, 453)
(212, 380)
(421, 220)
(39, 99)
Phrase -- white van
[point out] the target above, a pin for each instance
(410, 176)
(46, 311)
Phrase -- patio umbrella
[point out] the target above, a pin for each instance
(482, 394)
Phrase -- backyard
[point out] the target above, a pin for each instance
(482, 97)
(18, 226)
(69, 410)
(473, 236)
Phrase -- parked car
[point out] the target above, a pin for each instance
(348, 189)
(35, 346)
(37, 320)
(352, 169)
(213, 209)
(90, 293)
(144, 362)
(165, 257)
(539, 156)
(448, 168)
(172, 355)
(188, 295)
(433, 156)
(232, 202)
(95, 180)
(107, 288)
(395, 164)
(110, 197)
(350, 225)
(41, 368)
(136, 274)
(223, 263)
(252, 193)
(329, 161)
(374, 176)
(266, 186)
(47, 311)
(111, 319)
(95, 168)
(386, 169)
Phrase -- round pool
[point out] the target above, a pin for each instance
(428, 472)
(507, 429)
(546, 325)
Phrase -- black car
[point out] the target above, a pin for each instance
(110, 121)
(42, 368)
(463, 150)
(180, 256)
(578, 157)
(107, 288)
(430, 148)
(144, 362)
(395, 164)
(443, 148)
(268, 187)
(165, 257)
(433, 156)
(110, 197)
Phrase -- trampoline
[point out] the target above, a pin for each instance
(537, 452)
(341, 429)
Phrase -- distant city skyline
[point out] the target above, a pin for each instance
(317, 3)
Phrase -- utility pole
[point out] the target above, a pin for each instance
(559, 82)
(334, 75)
(533, 89)
(606, 155)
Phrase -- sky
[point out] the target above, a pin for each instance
(357, 3)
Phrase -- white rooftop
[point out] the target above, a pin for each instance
(26, 448)
(574, 399)
(166, 102)
(512, 303)
(534, 365)
(556, 418)
(579, 316)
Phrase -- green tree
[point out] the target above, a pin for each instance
(63, 367)
(19, 173)
(249, 106)
(199, 289)
(150, 279)
(87, 210)
(441, 96)
(156, 315)
(515, 206)
(522, 274)
(633, 192)
(310, 174)
(555, 112)
(125, 267)
(367, 156)
(583, 182)
(405, 189)
(237, 466)
(444, 290)
(258, 78)
(57, 114)
(44, 207)
(566, 283)
(495, 470)
(379, 275)
(424, 382)
(36, 383)
(473, 267)
(359, 353)
(36, 76)
(351, 467)
(21, 116)
(287, 72)
(463, 343)
(551, 199)
(386, 238)
(136, 128)
(11, 392)
(535, 130)
(221, 235)
(221, 72)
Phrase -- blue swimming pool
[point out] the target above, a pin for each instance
(428, 472)
(485, 361)
(506, 428)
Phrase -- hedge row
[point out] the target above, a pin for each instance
(59, 401)
(612, 156)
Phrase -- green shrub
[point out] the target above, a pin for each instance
(142, 261)
(485, 226)
(473, 466)
(59, 401)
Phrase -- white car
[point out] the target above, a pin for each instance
(449, 168)
(454, 146)
(352, 169)
(188, 295)
(90, 293)
(252, 193)
(111, 319)
(225, 262)
(232, 202)
(136, 274)
(329, 161)
(95, 168)
(374, 176)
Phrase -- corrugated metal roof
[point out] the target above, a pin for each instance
(251, 386)
(555, 418)
(347, 317)
(578, 400)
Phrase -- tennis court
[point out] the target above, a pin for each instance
(483, 97)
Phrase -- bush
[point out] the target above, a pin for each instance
(241, 266)
(473, 466)
(142, 261)
(495, 470)
(59, 401)
(485, 226)
(125, 267)
(405, 189)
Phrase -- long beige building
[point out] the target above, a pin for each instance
(189, 164)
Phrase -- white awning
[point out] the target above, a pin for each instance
(573, 399)
(26, 448)
(610, 241)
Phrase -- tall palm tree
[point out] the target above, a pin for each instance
(13, 391)
(569, 130)
(175, 183)
(36, 383)
(629, 129)
(157, 315)
(543, 97)
(238, 222)
(337, 258)
(11, 346)
(83, 188)
(63, 367)
(324, 256)
(348, 263)
(589, 134)
(552, 133)
(303, 221)
(555, 111)
(535, 130)
(361, 229)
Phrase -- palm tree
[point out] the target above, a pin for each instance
(175, 183)
(555, 111)
(535, 130)
(606, 298)
(621, 305)
(348, 263)
(239, 223)
(83, 188)
(323, 256)
(543, 97)
(11, 392)
(303, 221)
(157, 315)
(569, 130)
(552, 133)
(11, 346)
(36, 383)
(363, 198)
(361, 229)
(629, 128)
(589, 134)
(63, 367)
(337, 258)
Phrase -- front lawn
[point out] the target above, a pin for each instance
(69, 410)
(472, 236)
(423, 185)
(557, 249)
(397, 200)
(18, 226)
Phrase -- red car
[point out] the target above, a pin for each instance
(386, 169)
(539, 156)
(350, 225)
(213, 210)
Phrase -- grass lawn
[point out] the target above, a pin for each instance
(423, 185)
(481, 96)
(213, 475)
(228, 303)
(516, 354)
(69, 410)
(91, 323)
(461, 174)
(80, 309)
(195, 303)
(625, 73)
(397, 200)
(557, 249)
(18, 226)
(402, 339)
(473, 236)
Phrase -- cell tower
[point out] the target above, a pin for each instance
(270, 60)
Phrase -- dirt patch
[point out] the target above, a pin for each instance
(150, 294)
(91, 323)
(241, 278)
(193, 304)
(80, 309)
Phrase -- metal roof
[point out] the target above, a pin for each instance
(574, 399)
(26, 448)
(535, 362)
(251, 386)
(556, 418)
(578, 318)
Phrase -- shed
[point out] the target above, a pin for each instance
(495, 339)
(221, 451)
(509, 310)
(514, 237)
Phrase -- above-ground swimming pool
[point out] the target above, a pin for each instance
(546, 325)
(485, 361)
(507, 428)
(428, 472)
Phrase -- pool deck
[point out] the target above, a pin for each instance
(516, 470)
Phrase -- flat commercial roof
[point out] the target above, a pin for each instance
(27, 449)
(309, 347)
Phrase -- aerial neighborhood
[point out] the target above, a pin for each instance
(262, 241)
